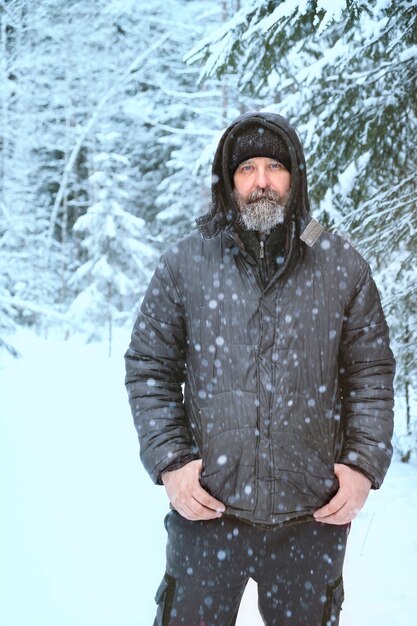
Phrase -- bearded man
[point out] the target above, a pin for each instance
(275, 328)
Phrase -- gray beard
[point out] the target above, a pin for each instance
(262, 211)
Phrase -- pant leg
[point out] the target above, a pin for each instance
(205, 573)
(299, 575)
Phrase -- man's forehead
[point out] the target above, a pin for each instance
(259, 158)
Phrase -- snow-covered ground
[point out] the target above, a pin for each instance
(81, 535)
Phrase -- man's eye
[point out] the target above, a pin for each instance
(246, 168)
(276, 165)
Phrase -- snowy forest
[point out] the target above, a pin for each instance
(110, 113)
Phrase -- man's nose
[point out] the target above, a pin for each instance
(262, 180)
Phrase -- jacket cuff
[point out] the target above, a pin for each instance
(366, 471)
(177, 464)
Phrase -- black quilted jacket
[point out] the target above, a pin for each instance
(281, 380)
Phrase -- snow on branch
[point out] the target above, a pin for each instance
(253, 22)
(136, 63)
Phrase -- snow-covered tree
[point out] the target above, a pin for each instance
(117, 255)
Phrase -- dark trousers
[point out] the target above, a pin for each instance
(298, 569)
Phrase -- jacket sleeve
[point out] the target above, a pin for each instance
(367, 372)
(155, 367)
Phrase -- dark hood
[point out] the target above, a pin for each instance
(224, 209)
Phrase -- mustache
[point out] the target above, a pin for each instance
(264, 194)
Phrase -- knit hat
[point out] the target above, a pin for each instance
(256, 140)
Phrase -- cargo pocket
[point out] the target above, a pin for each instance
(164, 598)
(334, 600)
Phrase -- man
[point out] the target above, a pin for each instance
(276, 328)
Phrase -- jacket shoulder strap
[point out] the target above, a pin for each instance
(312, 232)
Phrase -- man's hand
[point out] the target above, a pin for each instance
(353, 491)
(187, 496)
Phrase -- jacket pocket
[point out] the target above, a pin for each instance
(229, 468)
(334, 600)
(164, 598)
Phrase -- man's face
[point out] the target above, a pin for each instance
(261, 187)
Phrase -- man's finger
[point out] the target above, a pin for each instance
(203, 512)
(194, 511)
(335, 504)
(206, 500)
(343, 516)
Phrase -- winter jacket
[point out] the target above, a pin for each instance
(285, 359)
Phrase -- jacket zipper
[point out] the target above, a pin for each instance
(263, 267)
